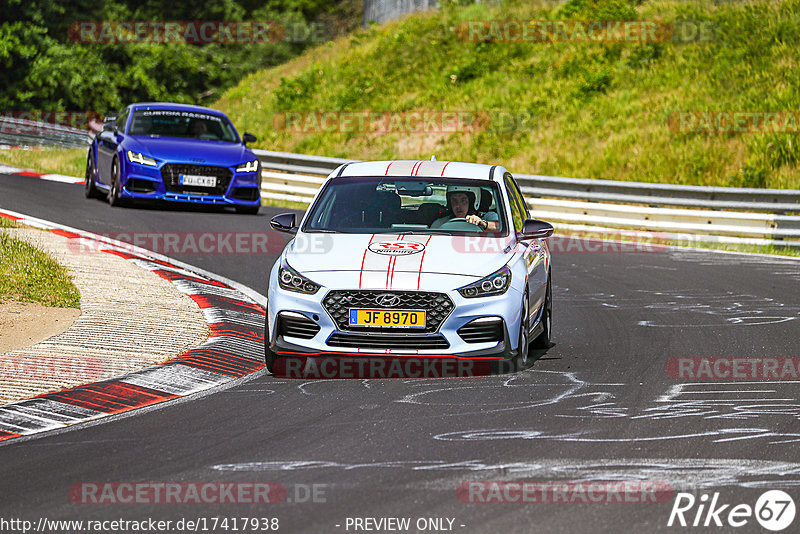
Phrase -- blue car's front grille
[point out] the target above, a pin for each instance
(171, 172)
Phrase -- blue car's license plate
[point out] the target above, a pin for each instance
(200, 181)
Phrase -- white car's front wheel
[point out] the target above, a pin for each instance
(543, 340)
(521, 359)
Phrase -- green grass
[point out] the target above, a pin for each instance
(69, 162)
(29, 275)
(578, 109)
(302, 206)
(751, 249)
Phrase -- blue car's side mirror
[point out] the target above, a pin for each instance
(249, 138)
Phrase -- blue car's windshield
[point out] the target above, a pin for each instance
(177, 123)
(408, 206)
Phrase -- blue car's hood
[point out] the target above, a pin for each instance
(191, 150)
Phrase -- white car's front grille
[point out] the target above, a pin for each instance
(437, 307)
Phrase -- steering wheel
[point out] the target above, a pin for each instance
(459, 223)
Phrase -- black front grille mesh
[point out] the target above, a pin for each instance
(297, 326)
(482, 330)
(170, 174)
(436, 305)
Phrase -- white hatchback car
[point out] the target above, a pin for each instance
(397, 258)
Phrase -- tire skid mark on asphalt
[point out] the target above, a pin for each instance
(680, 473)
(722, 412)
(721, 405)
(701, 309)
(233, 350)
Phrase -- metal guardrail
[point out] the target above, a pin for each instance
(383, 10)
(705, 213)
(24, 132)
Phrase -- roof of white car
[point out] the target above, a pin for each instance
(422, 168)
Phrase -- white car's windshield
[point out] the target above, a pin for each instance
(408, 205)
(187, 124)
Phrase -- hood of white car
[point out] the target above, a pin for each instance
(387, 256)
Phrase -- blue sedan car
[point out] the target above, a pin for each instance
(174, 152)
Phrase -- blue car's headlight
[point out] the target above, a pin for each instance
(496, 283)
(250, 166)
(136, 157)
(291, 280)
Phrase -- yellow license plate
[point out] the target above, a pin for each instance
(395, 318)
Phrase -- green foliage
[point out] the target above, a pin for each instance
(45, 67)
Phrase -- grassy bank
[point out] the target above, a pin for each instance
(577, 108)
(29, 275)
(69, 162)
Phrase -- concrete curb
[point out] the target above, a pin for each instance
(117, 297)
(233, 350)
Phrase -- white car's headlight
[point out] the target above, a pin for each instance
(250, 166)
(496, 283)
(291, 280)
(136, 157)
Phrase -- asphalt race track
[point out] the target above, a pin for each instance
(599, 405)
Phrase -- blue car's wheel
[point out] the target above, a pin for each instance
(89, 188)
(250, 210)
(114, 198)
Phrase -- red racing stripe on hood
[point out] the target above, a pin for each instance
(364, 257)
(419, 275)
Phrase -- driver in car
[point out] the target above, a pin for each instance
(461, 204)
(198, 128)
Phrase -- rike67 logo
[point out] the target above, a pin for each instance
(774, 510)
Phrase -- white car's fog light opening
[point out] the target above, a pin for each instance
(483, 330)
(293, 324)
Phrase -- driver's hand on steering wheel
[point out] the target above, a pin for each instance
(477, 221)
